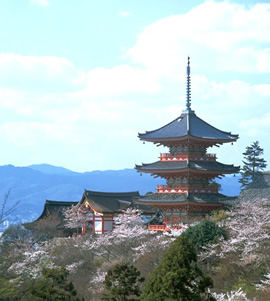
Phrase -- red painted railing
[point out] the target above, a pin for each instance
(158, 228)
(165, 227)
(184, 188)
(185, 157)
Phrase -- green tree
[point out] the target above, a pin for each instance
(8, 290)
(53, 286)
(178, 276)
(205, 233)
(122, 283)
(253, 163)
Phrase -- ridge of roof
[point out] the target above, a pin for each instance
(61, 203)
(112, 194)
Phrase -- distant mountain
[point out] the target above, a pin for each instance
(35, 184)
(52, 170)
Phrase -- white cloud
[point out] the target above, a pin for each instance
(31, 133)
(121, 79)
(37, 73)
(40, 2)
(217, 35)
(257, 126)
(97, 114)
(124, 14)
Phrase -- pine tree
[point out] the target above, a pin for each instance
(122, 281)
(178, 276)
(252, 163)
(53, 286)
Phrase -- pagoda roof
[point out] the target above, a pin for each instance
(188, 125)
(179, 198)
(113, 202)
(173, 166)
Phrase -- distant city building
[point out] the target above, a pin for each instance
(188, 169)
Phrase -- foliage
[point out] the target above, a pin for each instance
(217, 215)
(17, 237)
(48, 228)
(244, 285)
(54, 285)
(245, 252)
(247, 225)
(252, 163)
(122, 281)
(88, 258)
(205, 233)
(8, 290)
(178, 277)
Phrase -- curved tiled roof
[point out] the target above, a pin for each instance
(179, 165)
(175, 198)
(188, 124)
(113, 202)
(55, 206)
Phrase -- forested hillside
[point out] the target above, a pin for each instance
(238, 261)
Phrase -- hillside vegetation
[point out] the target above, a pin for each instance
(238, 261)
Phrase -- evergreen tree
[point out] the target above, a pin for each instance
(252, 163)
(122, 281)
(205, 233)
(53, 286)
(178, 276)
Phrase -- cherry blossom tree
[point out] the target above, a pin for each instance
(75, 217)
(248, 227)
(238, 295)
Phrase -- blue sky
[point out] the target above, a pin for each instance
(79, 79)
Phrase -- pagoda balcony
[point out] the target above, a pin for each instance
(185, 188)
(186, 157)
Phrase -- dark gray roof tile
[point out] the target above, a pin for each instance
(196, 165)
(188, 124)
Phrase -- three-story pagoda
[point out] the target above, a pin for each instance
(188, 169)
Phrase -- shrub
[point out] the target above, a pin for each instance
(205, 233)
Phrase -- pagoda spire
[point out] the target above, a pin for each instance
(188, 101)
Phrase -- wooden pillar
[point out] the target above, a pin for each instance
(102, 224)
(94, 226)
(84, 228)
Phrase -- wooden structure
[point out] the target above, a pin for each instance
(102, 207)
(188, 169)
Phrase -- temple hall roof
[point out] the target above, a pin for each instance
(53, 212)
(112, 202)
(188, 125)
(54, 207)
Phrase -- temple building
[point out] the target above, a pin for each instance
(189, 170)
(102, 207)
(99, 212)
